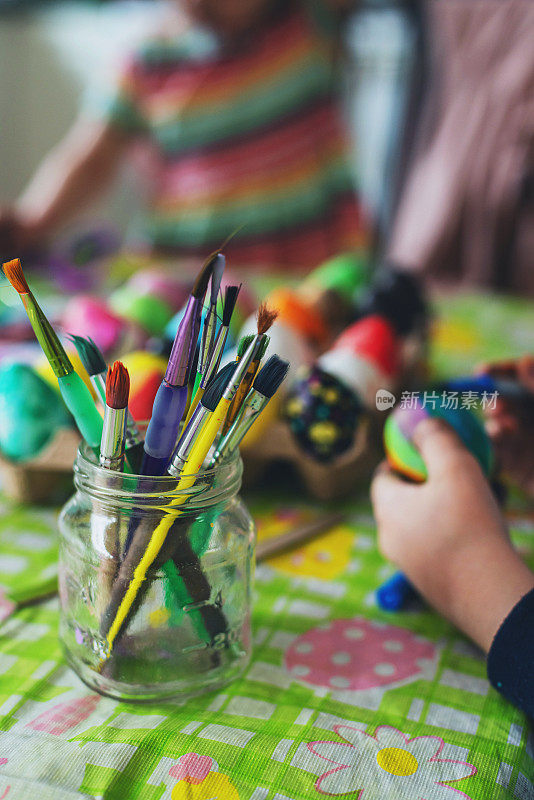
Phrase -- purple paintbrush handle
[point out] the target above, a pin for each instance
(167, 412)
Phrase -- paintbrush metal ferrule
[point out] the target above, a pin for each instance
(188, 439)
(184, 344)
(47, 337)
(133, 435)
(208, 338)
(241, 368)
(216, 356)
(112, 445)
(251, 408)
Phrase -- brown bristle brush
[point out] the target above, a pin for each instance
(265, 318)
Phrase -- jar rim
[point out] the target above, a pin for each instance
(112, 487)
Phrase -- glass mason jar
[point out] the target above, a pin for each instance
(155, 583)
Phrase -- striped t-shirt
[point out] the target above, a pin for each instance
(251, 138)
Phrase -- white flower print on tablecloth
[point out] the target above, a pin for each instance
(388, 766)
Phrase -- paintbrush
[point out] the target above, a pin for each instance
(266, 384)
(197, 422)
(112, 458)
(261, 346)
(148, 542)
(171, 397)
(298, 536)
(73, 390)
(189, 470)
(206, 434)
(115, 413)
(230, 299)
(96, 367)
(210, 321)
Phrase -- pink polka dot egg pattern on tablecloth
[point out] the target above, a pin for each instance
(356, 654)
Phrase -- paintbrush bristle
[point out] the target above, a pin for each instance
(90, 355)
(266, 317)
(264, 344)
(201, 283)
(216, 277)
(15, 275)
(244, 344)
(215, 388)
(230, 299)
(117, 386)
(271, 375)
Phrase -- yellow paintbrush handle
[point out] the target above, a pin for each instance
(194, 403)
(193, 464)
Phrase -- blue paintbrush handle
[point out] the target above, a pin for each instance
(162, 431)
(395, 593)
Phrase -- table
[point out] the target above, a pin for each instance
(340, 698)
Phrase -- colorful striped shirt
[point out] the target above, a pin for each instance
(251, 138)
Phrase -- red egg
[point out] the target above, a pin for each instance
(142, 396)
(373, 339)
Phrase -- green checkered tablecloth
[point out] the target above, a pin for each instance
(339, 700)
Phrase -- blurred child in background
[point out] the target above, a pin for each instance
(239, 108)
(449, 537)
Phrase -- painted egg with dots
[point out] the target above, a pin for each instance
(402, 453)
(322, 413)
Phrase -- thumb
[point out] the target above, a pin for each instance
(388, 491)
(439, 445)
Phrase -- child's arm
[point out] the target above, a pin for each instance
(449, 538)
(80, 168)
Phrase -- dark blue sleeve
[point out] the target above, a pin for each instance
(511, 656)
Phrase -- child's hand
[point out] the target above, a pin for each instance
(511, 423)
(448, 536)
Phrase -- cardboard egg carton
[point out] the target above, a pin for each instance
(340, 477)
(45, 477)
(333, 480)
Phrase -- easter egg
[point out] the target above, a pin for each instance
(150, 312)
(404, 457)
(323, 413)
(294, 312)
(30, 413)
(286, 342)
(44, 370)
(346, 273)
(160, 284)
(86, 315)
(146, 371)
(398, 296)
(373, 339)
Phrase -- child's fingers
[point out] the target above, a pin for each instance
(441, 449)
(387, 488)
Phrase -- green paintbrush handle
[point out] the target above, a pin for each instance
(198, 378)
(177, 597)
(81, 405)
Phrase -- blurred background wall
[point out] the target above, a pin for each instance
(53, 56)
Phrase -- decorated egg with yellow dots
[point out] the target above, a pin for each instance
(322, 413)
